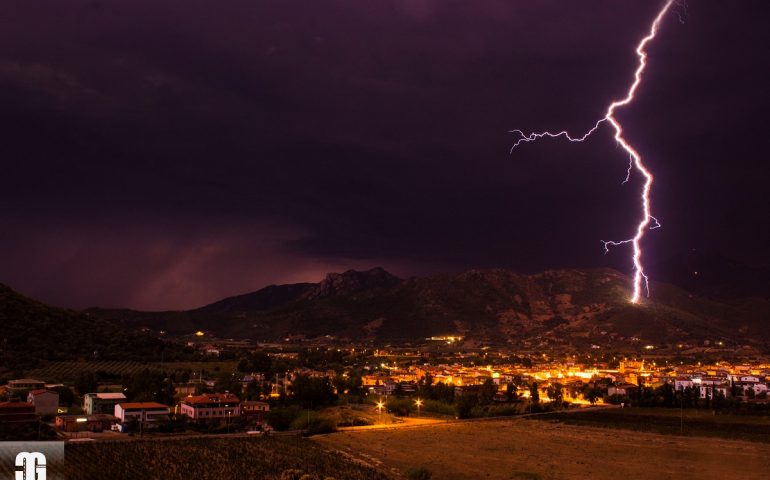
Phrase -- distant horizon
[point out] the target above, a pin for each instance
(318, 277)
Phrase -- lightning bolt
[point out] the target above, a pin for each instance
(647, 221)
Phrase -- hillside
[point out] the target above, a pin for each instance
(32, 333)
(577, 307)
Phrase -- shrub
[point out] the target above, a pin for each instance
(418, 473)
(282, 418)
(292, 474)
(314, 423)
(400, 406)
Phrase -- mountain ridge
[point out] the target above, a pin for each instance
(577, 306)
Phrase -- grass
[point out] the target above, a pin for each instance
(209, 458)
(521, 449)
(69, 371)
(206, 366)
(671, 421)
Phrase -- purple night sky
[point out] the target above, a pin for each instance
(165, 154)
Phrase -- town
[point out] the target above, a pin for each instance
(268, 390)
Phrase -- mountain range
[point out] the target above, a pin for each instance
(580, 307)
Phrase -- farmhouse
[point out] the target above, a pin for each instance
(211, 406)
(84, 423)
(145, 412)
(20, 387)
(94, 403)
(254, 412)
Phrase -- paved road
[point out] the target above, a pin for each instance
(429, 422)
(407, 422)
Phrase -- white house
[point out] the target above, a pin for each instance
(145, 412)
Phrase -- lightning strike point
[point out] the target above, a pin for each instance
(647, 221)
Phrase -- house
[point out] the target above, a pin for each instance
(254, 412)
(84, 423)
(94, 403)
(211, 406)
(17, 411)
(21, 387)
(624, 389)
(46, 402)
(682, 383)
(144, 412)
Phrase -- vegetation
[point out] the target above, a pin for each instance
(418, 473)
(34, 334)
(69, 371)
(668, 421)
(269, 458)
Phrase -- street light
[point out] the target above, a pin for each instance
(418, 402)
(379, 409)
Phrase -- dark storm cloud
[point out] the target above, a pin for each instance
(165, 154)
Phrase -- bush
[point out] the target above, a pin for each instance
(418, 473)
(499, 410)
(281, 418)
(314, 423)
(437, 406)
(291, 474)
(400, 406)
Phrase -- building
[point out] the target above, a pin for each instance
(94, 403)
(211, 406)
(84, 423)
(624, 389)
(254, 412)
(21, 387)
(46, 402)
(17, 411)
(144, 412)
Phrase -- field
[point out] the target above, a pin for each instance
(68, 371)
(208, 458)
(530, 449)
(700, 423)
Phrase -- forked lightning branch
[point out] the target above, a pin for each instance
(647, 221)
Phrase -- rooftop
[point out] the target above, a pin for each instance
(212, 398)
(142, 406)
(108, 396)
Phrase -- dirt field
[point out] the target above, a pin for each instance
(528, 449)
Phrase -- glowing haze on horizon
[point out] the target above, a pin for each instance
(647, 222)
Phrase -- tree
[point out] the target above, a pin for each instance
(487, 393)
(149, 386)
(86, 382)
(315, 391)
(256, 362)
(464, 405)
(556, 393)
(229, 382)
(66, 397)
(355, 383)
(534, 395)
(510, 392)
